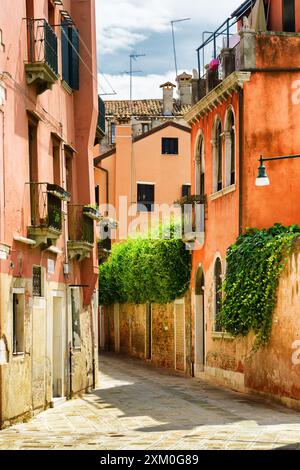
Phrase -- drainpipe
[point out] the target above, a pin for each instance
(241, 157)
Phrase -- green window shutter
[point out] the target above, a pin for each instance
(74, 59)
(65, 52)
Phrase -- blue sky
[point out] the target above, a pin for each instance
(126, 26)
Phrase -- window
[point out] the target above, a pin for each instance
(200, 170)
(56, 161)
(145, 127)
(186, 190)
(218, 157)
(18, 323)
(112, 133)
(169, 146)
(70, 55)
(37, 281)
(97, 195)
(288, 16)
(218, 293)
(145, 197)
(75, 306)
(230, 149)
(69, 170)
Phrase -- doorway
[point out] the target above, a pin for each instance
(200, 326)
(57, 349)
(148, 341)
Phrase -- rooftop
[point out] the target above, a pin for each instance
(142, 108)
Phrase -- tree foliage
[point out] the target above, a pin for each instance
(145, 270)
(254, 264)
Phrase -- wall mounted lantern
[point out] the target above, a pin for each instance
(262, 177)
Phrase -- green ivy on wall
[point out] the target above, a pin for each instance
(145, 270)
(254, 264)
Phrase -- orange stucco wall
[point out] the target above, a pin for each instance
(267, 113)
(143, 161)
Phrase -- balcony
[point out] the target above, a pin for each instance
(104, 243)
(193, 223)
(81, 231)
(42, 67)
(100, 131)
(46, 213)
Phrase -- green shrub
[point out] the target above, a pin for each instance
(254, 264)
(145, 270)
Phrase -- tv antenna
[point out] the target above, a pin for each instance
(133, 57)
(173, 37)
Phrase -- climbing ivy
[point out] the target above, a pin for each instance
(146, 270)
(254, 264)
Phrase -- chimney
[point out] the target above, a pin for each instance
(185, 88)
(168, 98)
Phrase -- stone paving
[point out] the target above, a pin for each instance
(137, 406)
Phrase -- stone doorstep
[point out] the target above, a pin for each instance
(57, 401)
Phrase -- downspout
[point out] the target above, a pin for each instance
(241, 157)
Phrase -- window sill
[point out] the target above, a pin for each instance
(222, 335)
(170, 154)
(66, 87)
(19, 355)
(223, 192)
(76, 350)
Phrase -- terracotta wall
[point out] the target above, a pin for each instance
(131, 323)
(274, 369)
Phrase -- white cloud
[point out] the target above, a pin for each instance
(122, 24)
(143, 87)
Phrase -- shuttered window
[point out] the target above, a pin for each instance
(186, 190)
(169, 146)
(145, 197)
(70, 55)
(288, 13)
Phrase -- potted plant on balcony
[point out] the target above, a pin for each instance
(58, 192)
(91, 211)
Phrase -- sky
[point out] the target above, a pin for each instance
(143, 27)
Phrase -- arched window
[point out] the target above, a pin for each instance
(217, 293)
(200, 170)
(230, 149)
(288, 16)
(218, 157)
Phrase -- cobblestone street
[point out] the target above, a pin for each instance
(140, 407)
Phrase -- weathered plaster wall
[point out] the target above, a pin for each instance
(131, 325)
(275, 368)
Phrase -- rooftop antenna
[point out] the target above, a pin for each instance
(173, 36)
(133, 57)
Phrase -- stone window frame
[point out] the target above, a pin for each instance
(230, 139)
(199, 157)
(217, 146)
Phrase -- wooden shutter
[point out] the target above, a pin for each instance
(65, 52)
(74, 59)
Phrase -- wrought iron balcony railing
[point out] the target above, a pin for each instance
(81, 227)
(81, 232)
(193, 218)
(42, 66)
(46, 210)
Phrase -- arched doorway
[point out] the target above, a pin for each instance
(199, 321)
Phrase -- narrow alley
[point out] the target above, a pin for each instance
(137, 406)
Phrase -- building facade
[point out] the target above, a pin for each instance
(147, 114)
(248, 106)
(48, 266)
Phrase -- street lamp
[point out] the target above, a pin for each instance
(262, 177)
